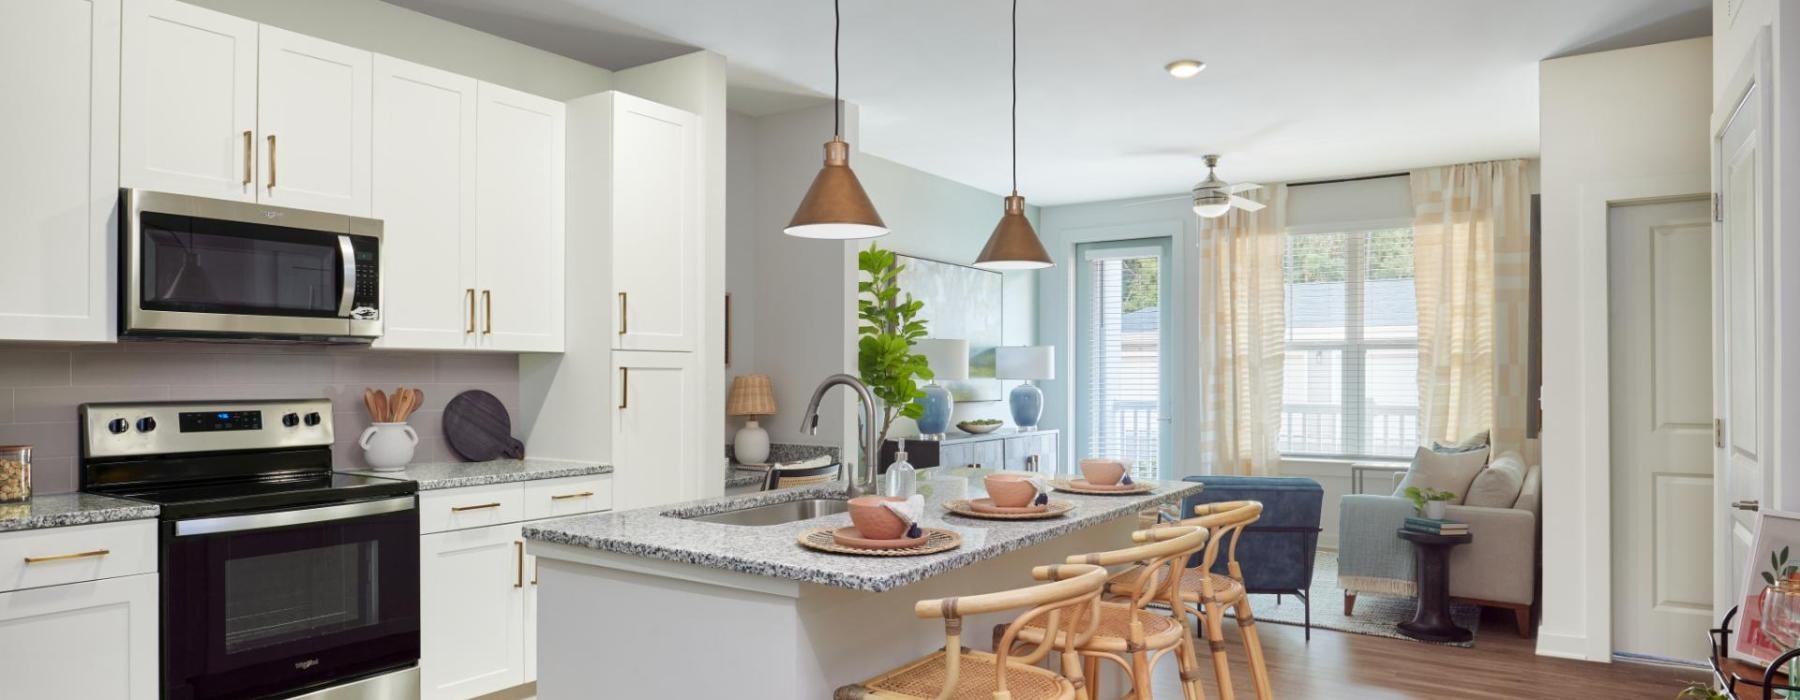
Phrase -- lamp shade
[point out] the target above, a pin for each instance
(1025, 362)
(836, 206)
(1013, 245)
(948, 358)
(751, 395)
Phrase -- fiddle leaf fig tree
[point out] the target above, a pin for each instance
(888, 325)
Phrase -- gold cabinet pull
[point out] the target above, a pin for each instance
(624, 314)
(519, 552)
(624, 387)
(577, 494)
(271, 162)
(534, 572)
(65, 557)
(471, 292)
(484, 506)
(249, 157)
(487, 301)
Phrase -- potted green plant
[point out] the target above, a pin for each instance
(1701, 691)
(888, 326)
(1430, 502)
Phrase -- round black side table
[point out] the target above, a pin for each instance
(1431, 622)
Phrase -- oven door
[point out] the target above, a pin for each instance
(281, 602)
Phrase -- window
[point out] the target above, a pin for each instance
(1350, 382)
(1124, 305)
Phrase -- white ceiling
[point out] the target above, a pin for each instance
(1293, 90)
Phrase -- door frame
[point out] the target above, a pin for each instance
(1170, 309)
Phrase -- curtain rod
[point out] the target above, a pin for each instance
(1347, 179)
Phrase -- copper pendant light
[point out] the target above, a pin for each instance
(1013, 244)
(836, 207)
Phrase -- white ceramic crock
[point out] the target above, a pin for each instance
(388, 447)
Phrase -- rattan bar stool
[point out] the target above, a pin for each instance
(1129, 634)
(1069, 604)
(1211, 593)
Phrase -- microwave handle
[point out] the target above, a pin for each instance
(349, 293)
(285, 518)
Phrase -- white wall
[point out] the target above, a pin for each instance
(396, 31)
(1619, 121)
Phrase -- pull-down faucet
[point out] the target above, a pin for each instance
(871, 437)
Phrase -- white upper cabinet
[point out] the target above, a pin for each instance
(656, 453)
(313, 116)
(59, 71)
(519, 220)
(656, 225)
(424, 194)
(189, 92)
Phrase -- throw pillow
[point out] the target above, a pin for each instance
(1468, 444)
(1498, 485)
(1444, 471)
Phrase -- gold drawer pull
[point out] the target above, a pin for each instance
(471, 292)
(484, 506)
(519, 577)
(249, 157)
(271, 162)
(580, 494)
(64, 557)
(624, 314)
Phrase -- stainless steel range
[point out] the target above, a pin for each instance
(280, 578)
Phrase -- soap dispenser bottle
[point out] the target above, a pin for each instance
(901, 481)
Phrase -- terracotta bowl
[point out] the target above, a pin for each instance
(876, 521)
(1102, 472)
(1010, 490)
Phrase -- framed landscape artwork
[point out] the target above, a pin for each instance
(1768, 620)
(963, 303)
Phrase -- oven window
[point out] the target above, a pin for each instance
(279, 598)
(212, 266)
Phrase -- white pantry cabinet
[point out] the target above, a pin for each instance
(519, 220)
(59, 70)
(656, 454)
(656, 224)
(313, 116)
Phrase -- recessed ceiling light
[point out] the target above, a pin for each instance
(1185, 68)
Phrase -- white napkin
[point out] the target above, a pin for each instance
(909, 510)
(1043, 491)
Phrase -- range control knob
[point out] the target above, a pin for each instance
(290, 420)
(118, 425)
(146, 424)
(312, 419)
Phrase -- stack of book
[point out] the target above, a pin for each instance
(1437, 527)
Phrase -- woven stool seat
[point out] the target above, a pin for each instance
(975, 680)
(1226, 590)
(1114, 632)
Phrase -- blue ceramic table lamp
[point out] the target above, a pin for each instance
(1029, 362)
(949, 362)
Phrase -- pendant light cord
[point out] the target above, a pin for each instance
(837, 104)
(1015, 97)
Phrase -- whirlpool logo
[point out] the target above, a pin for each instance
(303, 665)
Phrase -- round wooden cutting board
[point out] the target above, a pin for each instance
(478, 428)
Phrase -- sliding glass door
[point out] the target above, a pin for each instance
(1123, 336)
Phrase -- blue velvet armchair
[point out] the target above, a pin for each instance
(1276, 553)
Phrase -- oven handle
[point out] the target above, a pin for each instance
(349, 293)
(284, 518)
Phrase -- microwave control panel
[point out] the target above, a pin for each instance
(366, 298)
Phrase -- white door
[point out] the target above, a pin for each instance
(81, 640)
(189, 100)
(424, 194)
(59, 69)
(313, 119)
(1122, 342)
(519, 220)
(656, 225)
(1660, 274)
(1741, 284)
(656, 458)
(471, 589)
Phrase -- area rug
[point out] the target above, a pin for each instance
(1375, 615)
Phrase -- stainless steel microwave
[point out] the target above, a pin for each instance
(198, 268)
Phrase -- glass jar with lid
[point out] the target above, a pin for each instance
(15, 473)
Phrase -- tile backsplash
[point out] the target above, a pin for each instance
(41, 385)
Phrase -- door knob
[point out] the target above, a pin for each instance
(1751, 506)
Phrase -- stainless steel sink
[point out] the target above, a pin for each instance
(778, 513)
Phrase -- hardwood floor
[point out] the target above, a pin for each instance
(1502, 665)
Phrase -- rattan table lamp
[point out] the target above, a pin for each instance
(751, 395)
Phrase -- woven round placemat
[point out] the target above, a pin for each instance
(1055, 510)
(936, 540)
(1065, 485)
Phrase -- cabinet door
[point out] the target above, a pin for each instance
(424, 194)
(984, 454)
(471, 626)
(1031, 453)
(530, 617)
(59, 70)
(95, 639)
(312, 118)
(656, 459)
(519, 220)
(656, 225)
(189, 97)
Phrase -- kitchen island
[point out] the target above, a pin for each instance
(655, 603)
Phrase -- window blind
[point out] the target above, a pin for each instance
(1350, 382)
(1124, 357)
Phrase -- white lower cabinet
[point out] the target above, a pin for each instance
(656, 457)
(477, 587)
(94, 639)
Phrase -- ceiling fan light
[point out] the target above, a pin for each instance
(836, 207)
(1014, 245)
(1212, 204)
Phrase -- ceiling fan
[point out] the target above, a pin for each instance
(1214, 197)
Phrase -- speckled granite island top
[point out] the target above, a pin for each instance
(771, 550)
(65, 509)
(450, 475)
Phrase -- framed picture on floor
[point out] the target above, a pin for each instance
(1768, 618)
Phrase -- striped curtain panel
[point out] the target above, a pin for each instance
(1471, 257)
(1242, 328)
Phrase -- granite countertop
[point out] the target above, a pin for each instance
(450, 475)
(64, 509)
(737, 475)
(661, 533)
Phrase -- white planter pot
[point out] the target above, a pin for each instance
(388, 447)
(1435, 509)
